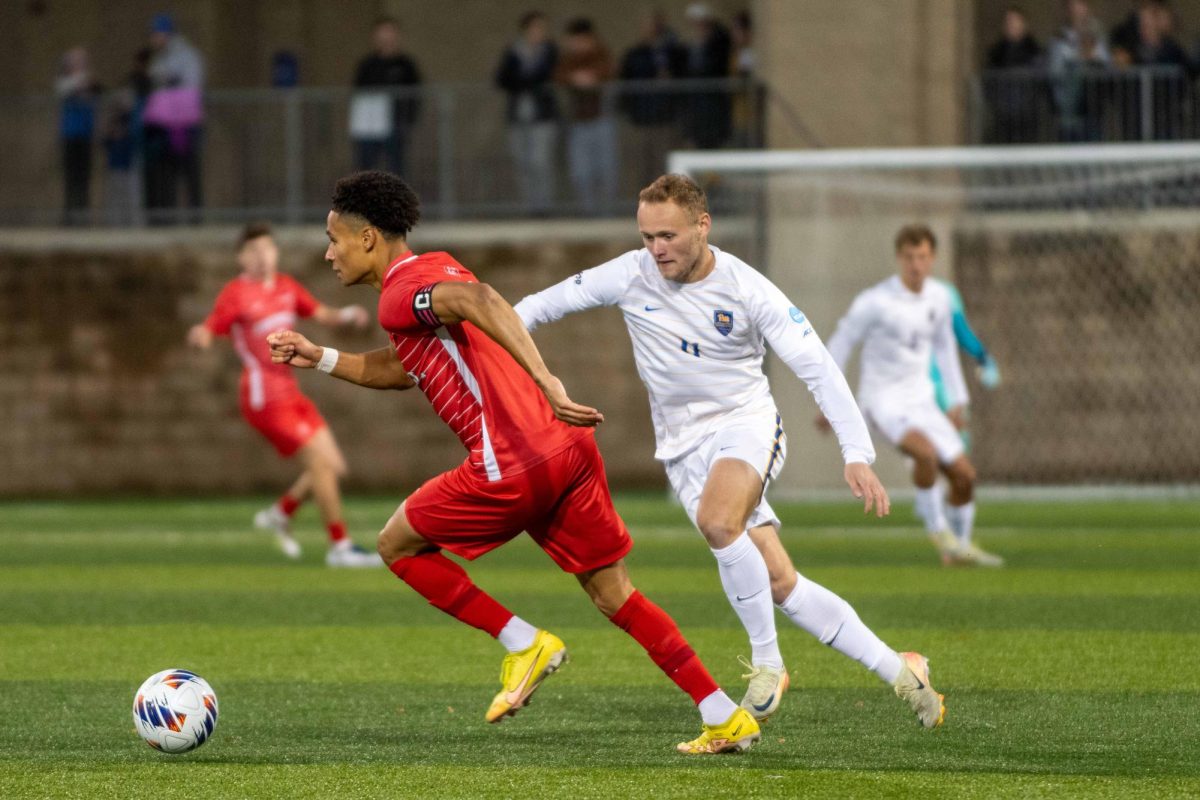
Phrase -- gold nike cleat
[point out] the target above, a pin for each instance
(912, 686)
(767, 685)
(735, 735)
(522, 673)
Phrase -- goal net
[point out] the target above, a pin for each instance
(1079, 269)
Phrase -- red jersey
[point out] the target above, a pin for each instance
(247, 310)
(473, 384)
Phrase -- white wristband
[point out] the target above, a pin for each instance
(329, 359)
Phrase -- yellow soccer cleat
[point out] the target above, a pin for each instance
(735, 735)
(912, 686)
(522, 673)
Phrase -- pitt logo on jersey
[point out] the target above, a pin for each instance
(723, 320)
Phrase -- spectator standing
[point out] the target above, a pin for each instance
(78, 94)
(1155, 48)
(173, 119)
(1012, 89)
(386, 104)
(123, 146)
(1079, 58)
(584, 69)
(526, 72)
(708, 122)
(657, 56)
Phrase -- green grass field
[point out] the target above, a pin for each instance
(1073, 672)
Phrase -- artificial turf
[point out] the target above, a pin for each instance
(1071, 672)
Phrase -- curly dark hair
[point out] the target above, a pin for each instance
(381, 198)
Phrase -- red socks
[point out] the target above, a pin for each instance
(447, 586)
(654, 630)
(337, 531)
(288, 504)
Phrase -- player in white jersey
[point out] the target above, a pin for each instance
(900, 322)
(700, 320)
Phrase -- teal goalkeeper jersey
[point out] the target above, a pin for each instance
(966, 338)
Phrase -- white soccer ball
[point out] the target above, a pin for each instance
(175, 711)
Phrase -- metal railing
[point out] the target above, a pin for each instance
(276, 153)
(1082, 104)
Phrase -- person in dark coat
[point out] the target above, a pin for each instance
(381, 119)
(526, 73)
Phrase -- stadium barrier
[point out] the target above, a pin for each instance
(275, 153)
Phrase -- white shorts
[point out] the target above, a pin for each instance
(894, 419)
(761, 443)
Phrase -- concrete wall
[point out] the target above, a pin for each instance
(867, 73)
(99, 393)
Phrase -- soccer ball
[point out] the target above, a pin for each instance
(175, 711)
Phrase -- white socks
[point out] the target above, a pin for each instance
(517, 635)
(716, 708)
(930, 508)
(748, 587)
(962, 521)
(831, 619)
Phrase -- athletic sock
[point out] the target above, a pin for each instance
(654, 630)
(716, 708)
(962, 521)
(930, 508)
(748, 586)
(517, 635)
(447, 586)
(831, 619)
(287, 505)
(337, 532)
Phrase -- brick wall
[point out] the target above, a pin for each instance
(99, 393)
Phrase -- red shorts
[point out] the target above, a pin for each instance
(287, 423)
(562, 502)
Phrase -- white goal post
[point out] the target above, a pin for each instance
(1079, 268)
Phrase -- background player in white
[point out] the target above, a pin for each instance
(899, 322)
(698, 318)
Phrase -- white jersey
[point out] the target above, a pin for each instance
(699, 346)
(900, 331)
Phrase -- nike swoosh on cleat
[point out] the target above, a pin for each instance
(515, 694)
(765, 705)
(747, 597)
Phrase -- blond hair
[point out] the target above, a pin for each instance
(678, 189)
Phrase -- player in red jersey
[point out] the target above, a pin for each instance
(250, 306)
(532, 462)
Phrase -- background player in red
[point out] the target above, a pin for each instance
(527, 468)
(250, 306)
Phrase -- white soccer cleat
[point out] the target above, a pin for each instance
(763, 695)
(347, 554)
(274, 520)
(946, 543)
(974, 555)
(912, 686)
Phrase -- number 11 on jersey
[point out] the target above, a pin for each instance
(691, 347)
